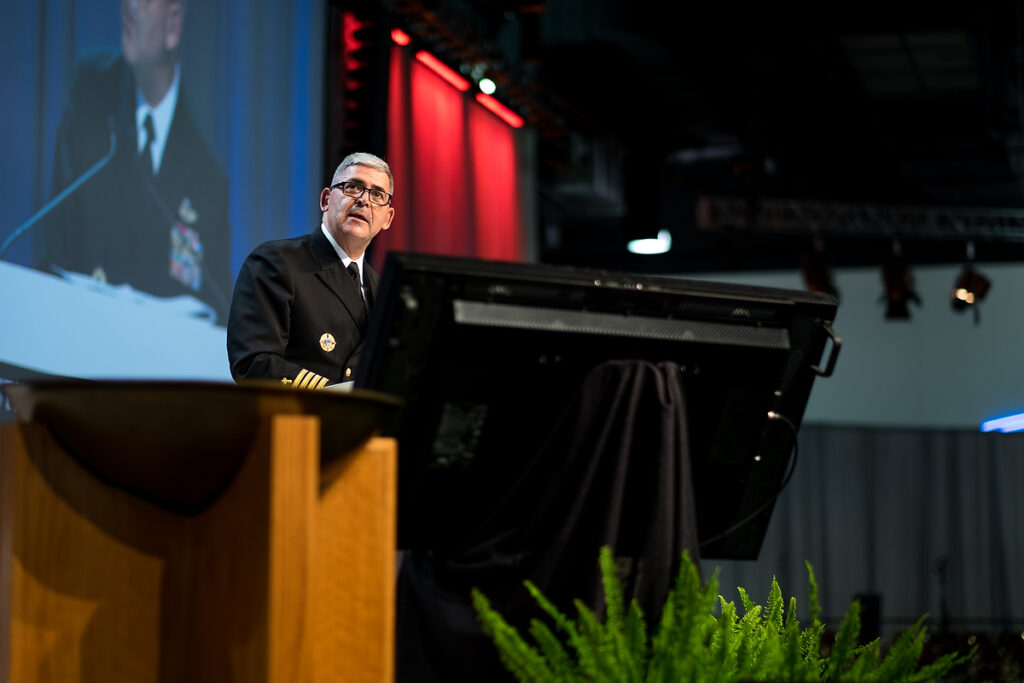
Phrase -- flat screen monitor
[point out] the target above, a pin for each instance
(486, 355)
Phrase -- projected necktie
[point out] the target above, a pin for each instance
(147, 148)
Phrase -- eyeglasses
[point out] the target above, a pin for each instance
(350, 189)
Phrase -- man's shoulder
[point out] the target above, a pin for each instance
(286, 243)
(96, 67)
(188, 158)
(288, 249)
(101, 86)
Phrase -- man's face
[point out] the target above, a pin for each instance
(150, 30)
(354, 221)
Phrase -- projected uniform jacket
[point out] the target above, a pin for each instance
(294, 314)
(166, 234)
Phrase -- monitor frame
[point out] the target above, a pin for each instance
(479, 349)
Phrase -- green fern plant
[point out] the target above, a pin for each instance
(690, 643)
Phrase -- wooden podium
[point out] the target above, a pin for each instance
(196, 532)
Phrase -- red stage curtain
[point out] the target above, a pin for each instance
(456, 178)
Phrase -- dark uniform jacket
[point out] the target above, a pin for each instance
(295, 314)
(141, 230)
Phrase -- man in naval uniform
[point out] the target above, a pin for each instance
(156, 216)
(299, 309)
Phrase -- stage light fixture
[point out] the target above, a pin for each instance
(816, 271)
(443, 70)
(500, 110)
(970, 287)
(477, 70)
(400, 37)
(899, 285)
(651, 245)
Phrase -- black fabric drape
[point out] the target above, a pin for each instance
(615, 471)
(925, 519)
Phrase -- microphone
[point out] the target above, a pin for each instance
(65, 193)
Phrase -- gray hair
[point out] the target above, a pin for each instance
(368, 160)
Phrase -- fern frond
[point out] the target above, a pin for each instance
(620, 630)
(810, 645)
(769, 654)
(596, 649)
(749, 633)
(636, 630)
(685, 602)
(588, 643)
(635, 642)
(551, 648)
(775, 607)
(849, 631)
(813, 604)
(902, 657)
(614, 617)
(721, 665)
(791, 619)
(522, 660)
(865, 662)
(943, 665)
(791, 664)
(748, 604)
(549, 608)
(680, 645)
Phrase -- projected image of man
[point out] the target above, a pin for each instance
(156, 217)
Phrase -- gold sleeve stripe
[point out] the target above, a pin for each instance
(307, 379)
(313, 381)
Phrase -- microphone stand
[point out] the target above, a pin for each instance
(62, 196)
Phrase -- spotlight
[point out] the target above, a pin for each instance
(899, 286)
(487, 86)
(400, 37)
(970, 287)
(651, 245)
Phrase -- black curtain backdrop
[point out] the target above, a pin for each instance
(615, 472)
(925, 520)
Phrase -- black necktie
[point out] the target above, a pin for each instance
(353, 270)
(147, 146)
